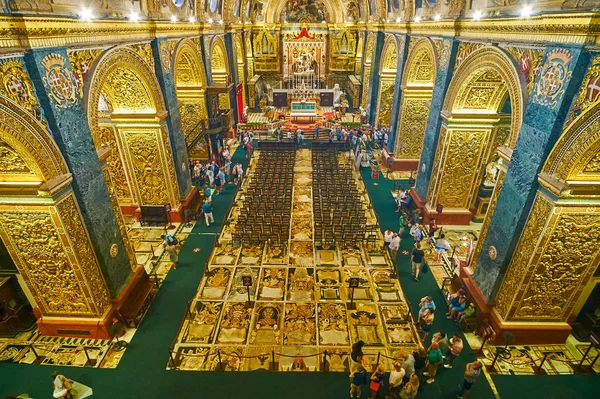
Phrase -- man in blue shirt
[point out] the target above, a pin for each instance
(207, 209)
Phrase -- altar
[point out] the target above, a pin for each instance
(301, 111)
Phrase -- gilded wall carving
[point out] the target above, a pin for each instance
(167, 50)
(80, 242)
(127, 92)
(565, 260)
(366, 83)
(460, 167)
(191, 121)
(43, 259)
(369, 47)
(144, 50)
(593, 165)
(437, 164)
(465, 49)
(519, 265)
(390, 56)
(169, 164)
(11, 163)
(529, 61)
(16, 85)
(59, 81)
(106, 138)
(413, 123)
(484, 90)
(385, 103)
(554, 75)
(589, 92)
(149, 174)
(120, 220)
(81, 62)
(488, 218)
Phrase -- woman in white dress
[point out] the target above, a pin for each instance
(69, 389)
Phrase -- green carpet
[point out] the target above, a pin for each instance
(142, 374)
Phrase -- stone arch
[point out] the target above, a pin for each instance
(30, 153)
(387, 73)
(190, 86)
(487, 68)
(118, 65)
(219, 65)
(575, 156)
(417, 89)
(476, 124)
(122, 89)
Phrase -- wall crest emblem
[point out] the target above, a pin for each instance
(59, 80)
(554, 75)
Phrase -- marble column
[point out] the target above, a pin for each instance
(233, 72)
(164, 68)
(434, 122)
(542, 125)
(54, 82)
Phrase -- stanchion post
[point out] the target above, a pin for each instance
(378, 357)
(171, 358)
(491, 366)
(272, 360)
(86, 355)
(325, 365)
(33, 350)
(485, 338)
(584, 357)
(539, 369)
(220, 362)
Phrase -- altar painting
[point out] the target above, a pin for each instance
(305, 11)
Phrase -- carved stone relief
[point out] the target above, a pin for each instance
(411, 131)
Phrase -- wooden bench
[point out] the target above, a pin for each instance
(138, 302)
(154, 214)
(450, 286)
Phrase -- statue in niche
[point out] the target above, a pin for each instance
(491, 173)
(264, 100)
(343, 103)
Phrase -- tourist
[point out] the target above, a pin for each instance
(207, 193)
(208, 212)
(376, 380)
(406, 201)
(417, 232)
(472, 371)
(409, 365)
(456, 346)
(420, 361)
(468, 312)
(170, 244)
(403, 222)
(317, 131)
(385, 138)
(434, 359)
(411, 388)
(399, 200)
(441, 246)
(301, 137)
(62, 386)
(238, 172)
(432, 229)
(442, 340)
(356, 354)
(289, 135)
(457, 305)
(426, 303)
(210, 174)
(426, 322)
(417, 260)
(359, 378)
(394, 246)
(248, 149)
(387, 237)
(395, 381)
(218, 182)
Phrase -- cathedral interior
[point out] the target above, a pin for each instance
(491, 116)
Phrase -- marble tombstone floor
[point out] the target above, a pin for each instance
(300, 319)
(30, 347)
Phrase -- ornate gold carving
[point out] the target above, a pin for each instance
(488, 218)
(463, 155)
(106, 138)
(189, 70)
(81, 63)
(127, 92)
(369, 47)
(120, 220)
(191, 118)
(589, 92)
(11, 162)
(411, 131)
(144, 50)
(519, 265)
(16, 85)
(554, 76)
(170, 162)
(145, 157)
(88, 264)
(30, 139)
(59, 81)
(529, 61)
(218, 61)
(437, 164)
(444, 55)
(484, 90)
(593, 166)
(367, 81)
(167, 49)
(475, 67)
(465, 49)
(390, 56)
(385, 103)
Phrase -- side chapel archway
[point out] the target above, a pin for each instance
(219, 69)
(190, 87)
(387, 79)
(482, 112)
(41, 224)
(127, 115)
(417, 89)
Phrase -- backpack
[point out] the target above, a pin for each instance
(169, 239)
